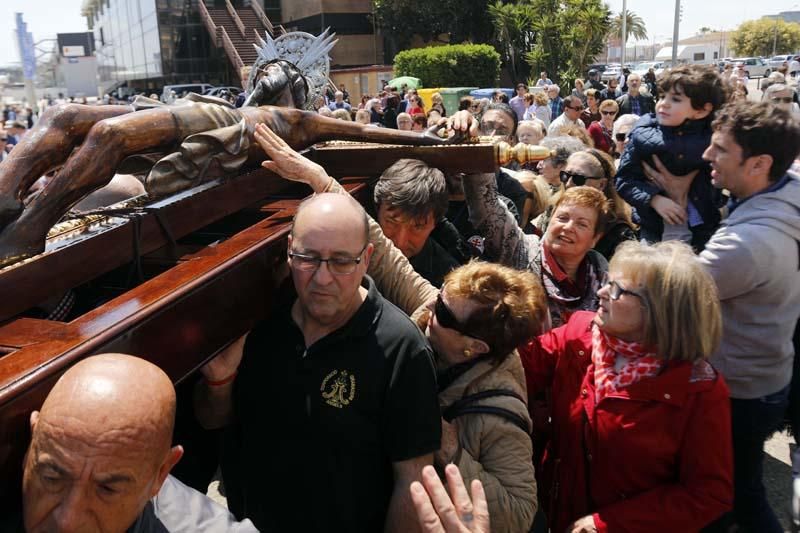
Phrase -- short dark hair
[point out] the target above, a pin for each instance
(522, 85)
(760, 128)
(570, 100)
(505, 108)
(465, 103)
(702, 85)
(414, 188)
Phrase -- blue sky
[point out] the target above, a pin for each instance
(45, 18)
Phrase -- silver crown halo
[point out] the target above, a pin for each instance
(307, 52)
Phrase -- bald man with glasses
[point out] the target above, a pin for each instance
(335, 394)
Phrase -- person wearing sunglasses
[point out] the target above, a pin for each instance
(594, 168)
(622, 128)
(483, 312)
(641, 428)
(573, 107)
(600, 130)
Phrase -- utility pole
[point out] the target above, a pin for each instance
(624, 32)
(675, 32)
(775, 37)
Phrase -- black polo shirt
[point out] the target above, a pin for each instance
(321, 425)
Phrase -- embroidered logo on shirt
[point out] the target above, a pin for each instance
(338, 388)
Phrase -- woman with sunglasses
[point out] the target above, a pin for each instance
(641, 437)
(482, 313)
(594, 168)
(415, 106)
(622, 127)
(601, 130)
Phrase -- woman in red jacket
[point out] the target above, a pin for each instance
(640, 420)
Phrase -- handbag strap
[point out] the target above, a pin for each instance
(466, 405)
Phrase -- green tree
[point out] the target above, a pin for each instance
(458, 20)
(756, 37)
(514, 34)
(634, 27)
(569, 34)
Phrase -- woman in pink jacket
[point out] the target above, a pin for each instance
(640, 420)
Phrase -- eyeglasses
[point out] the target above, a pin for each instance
(340, 266)
(494, 128)
(621, 137)
(446, 318)
(578, 108)
(782, 99)
(615, 291)
(577, 179)
(608, 113)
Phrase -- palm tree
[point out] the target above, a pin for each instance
(634, 27)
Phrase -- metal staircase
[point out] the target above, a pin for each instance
(236, 30)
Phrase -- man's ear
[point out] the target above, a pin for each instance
(368, 254)
(761, 164)
(34, 420)
(173, 456)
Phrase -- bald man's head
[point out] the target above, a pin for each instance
(333, 228)
(100, 447)
(342, 210)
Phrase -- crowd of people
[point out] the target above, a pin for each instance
(600, 341)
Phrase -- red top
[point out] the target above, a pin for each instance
(655, 456)
(602, 141)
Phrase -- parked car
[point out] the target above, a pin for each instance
(778, 61)
(642, 68)
(613, 70)
(179, 90)
(754, 67)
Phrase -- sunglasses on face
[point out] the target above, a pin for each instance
(577, 108)
(446, 318)
(782, 99)
(608, 113)
(577, 179)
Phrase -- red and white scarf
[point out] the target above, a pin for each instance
(641, 363)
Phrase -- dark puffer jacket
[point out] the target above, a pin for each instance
(681, 150)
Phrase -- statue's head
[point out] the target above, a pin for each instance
(277, 76)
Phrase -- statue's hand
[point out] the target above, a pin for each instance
(287, 163)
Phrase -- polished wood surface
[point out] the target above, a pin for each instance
(178, 319)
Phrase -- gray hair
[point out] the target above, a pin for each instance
(562, 147)
(775, 88)
(625, 120)
(414, 188)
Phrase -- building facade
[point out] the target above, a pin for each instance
(147, 44)
(358, 44)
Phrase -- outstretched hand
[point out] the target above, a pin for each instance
(440, 512)
(287, 163)
(461, 126)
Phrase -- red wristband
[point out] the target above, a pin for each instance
(222, 382)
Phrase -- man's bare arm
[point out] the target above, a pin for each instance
(401, 517)
(213, 395)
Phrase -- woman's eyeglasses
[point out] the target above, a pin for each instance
(577, 179)
(615, 291)
(608, 113)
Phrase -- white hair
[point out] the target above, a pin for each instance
(623, 121)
